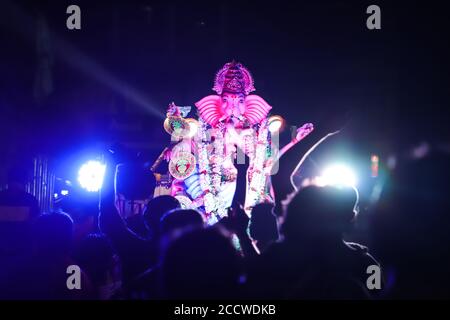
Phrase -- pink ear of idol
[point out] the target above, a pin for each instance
(209, 109)
(256, 108)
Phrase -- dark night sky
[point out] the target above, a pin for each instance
(313, 61)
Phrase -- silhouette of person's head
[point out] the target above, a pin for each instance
(320, 212)
(201, 264)
(83, 215)
(156, 208)
(96, 257)
(53, 234)
(263, 223)
(177, 219)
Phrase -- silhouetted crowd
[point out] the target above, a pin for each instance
(298, 251)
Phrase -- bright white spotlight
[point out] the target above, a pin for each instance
(64, 192)
(90, 175)
(338, 175)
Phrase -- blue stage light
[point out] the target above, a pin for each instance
(91, 174)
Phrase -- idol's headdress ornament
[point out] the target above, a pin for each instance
(233, 78)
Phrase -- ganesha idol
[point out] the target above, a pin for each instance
(203, 154)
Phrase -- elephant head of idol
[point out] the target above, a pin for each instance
(233, 103)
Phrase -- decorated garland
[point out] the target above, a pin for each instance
(210, 160)
(258, 170)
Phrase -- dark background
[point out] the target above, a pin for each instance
(63, 92)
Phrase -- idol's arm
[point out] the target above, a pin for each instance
(302, 132)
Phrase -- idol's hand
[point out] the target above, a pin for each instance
(303, 131)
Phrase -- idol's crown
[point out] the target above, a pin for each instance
(233, 78)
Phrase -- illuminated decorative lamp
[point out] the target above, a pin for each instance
(275, 123)
(177, 127)
(193, 127)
